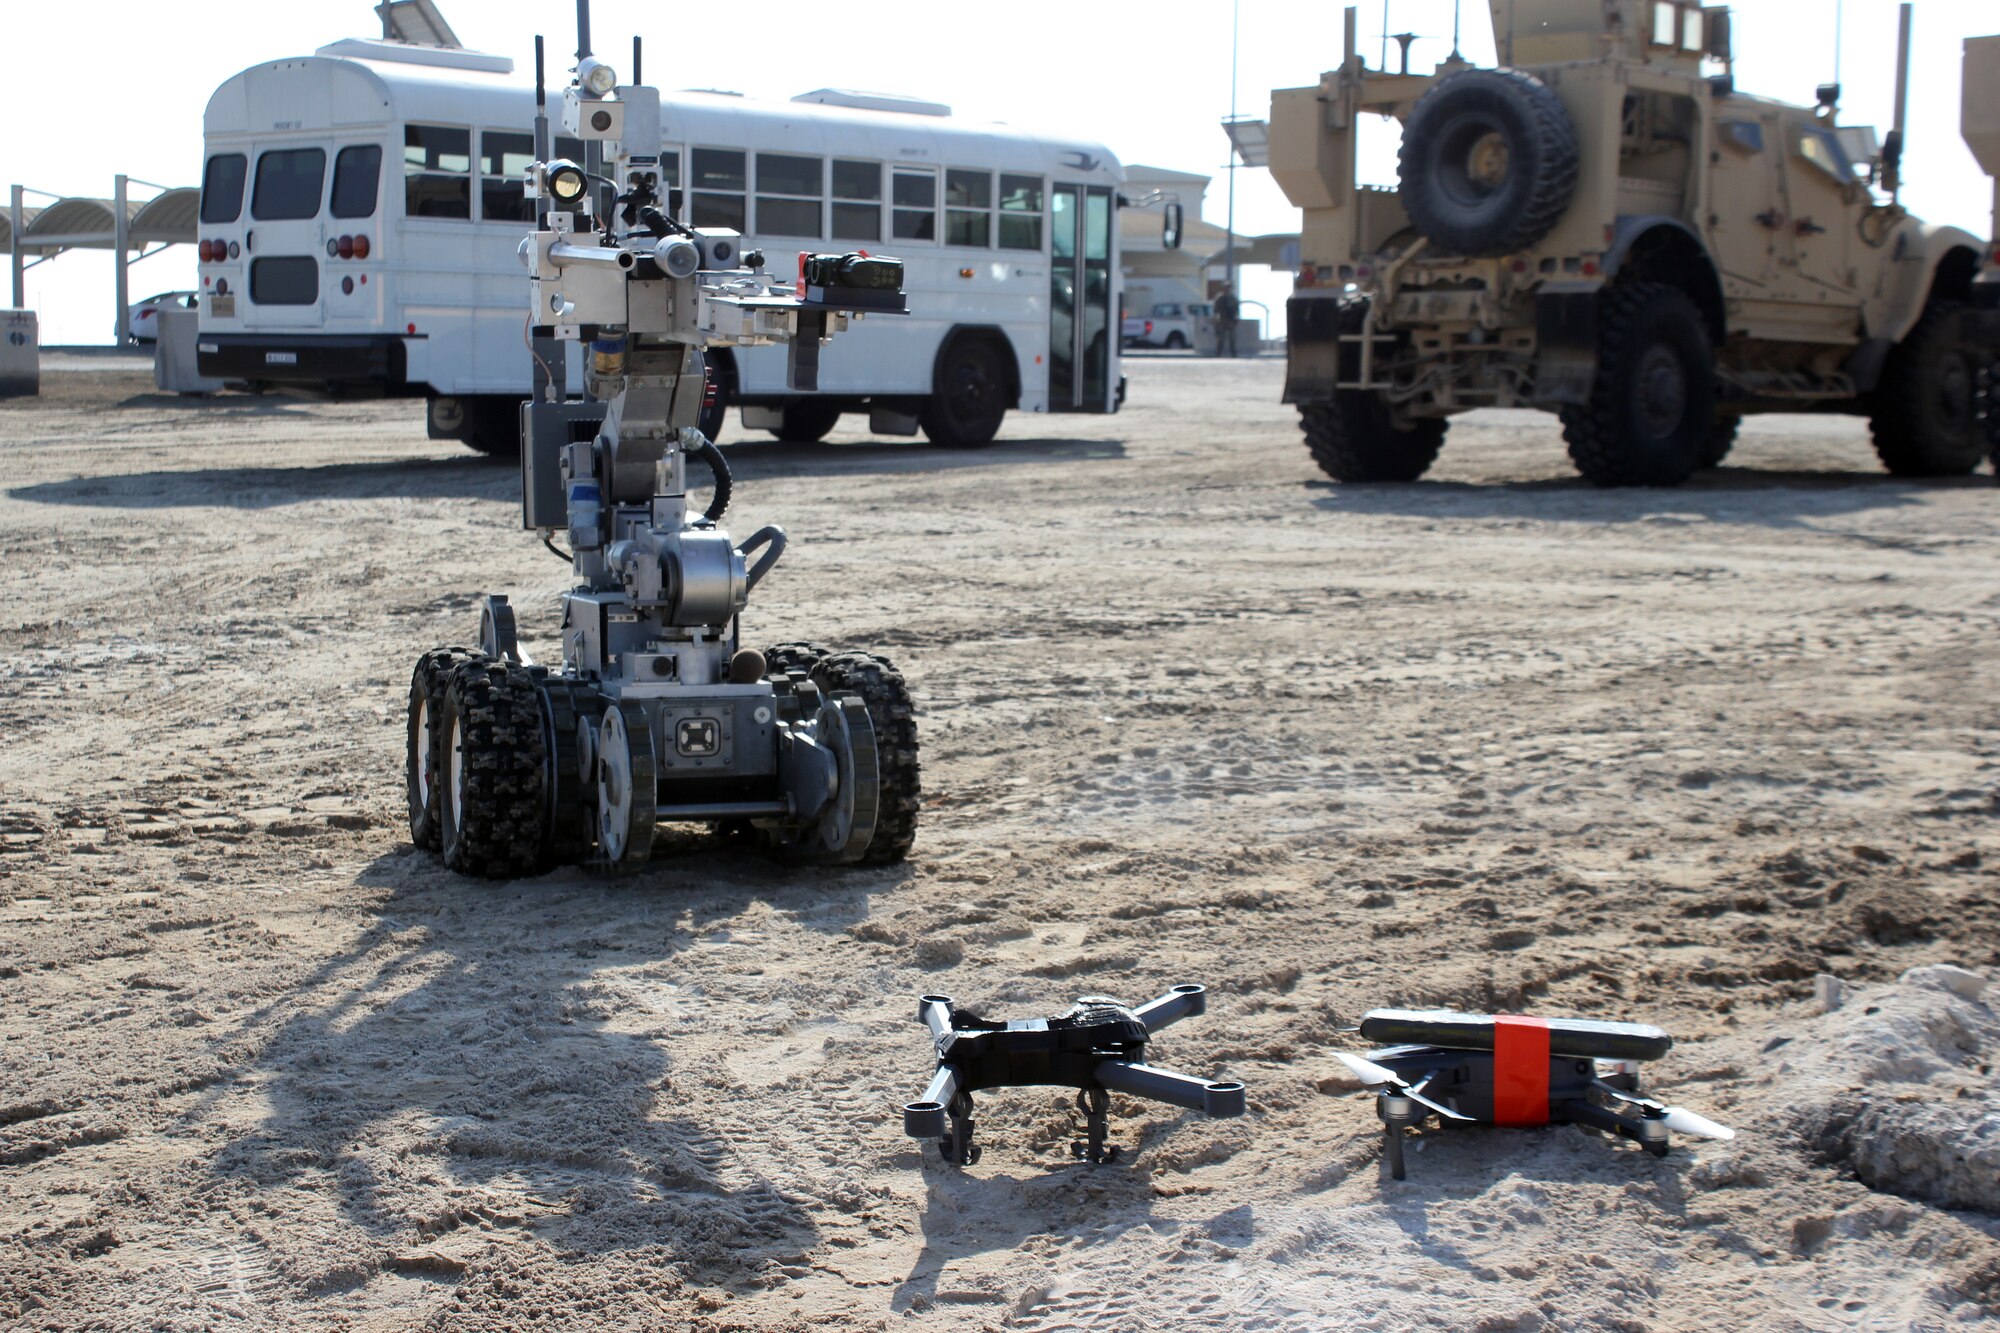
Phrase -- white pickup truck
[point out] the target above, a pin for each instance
(1173, 324)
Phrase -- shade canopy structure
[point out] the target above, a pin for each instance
(77, 223)
(120, 224)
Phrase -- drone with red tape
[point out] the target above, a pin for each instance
(1504, 1069)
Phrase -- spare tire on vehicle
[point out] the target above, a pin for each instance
(1488, 163)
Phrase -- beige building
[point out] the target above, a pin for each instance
(1155, 274)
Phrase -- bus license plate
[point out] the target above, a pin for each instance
(281, 358)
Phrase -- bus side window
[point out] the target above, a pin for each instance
(914, 196)
(857, 200)
(357, 177)
(670, 177)
(718, 185)
(1020, 212)
(968, 203)
(504, 159)
(222, 187)
(437, 172)
(788, 195)
(288, 184)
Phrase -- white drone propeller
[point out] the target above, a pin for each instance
(1677, 1118)
(1373, 1075)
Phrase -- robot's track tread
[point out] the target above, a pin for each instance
(504, 803)
(887, 698)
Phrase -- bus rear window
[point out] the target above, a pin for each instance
(437, 172)
(222, 187)
(288, 184)
(284, 280)
(357, 176)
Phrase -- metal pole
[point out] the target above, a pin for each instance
(20, 269)
(1229, 245)
(121, 228)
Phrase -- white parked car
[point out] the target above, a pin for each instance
(1173, 324)
(140, 326)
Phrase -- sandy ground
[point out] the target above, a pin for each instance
(1189, 713)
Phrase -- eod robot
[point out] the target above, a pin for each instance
(658, 714)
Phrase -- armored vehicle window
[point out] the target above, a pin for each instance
(788, 194)
(284, 280)
(1745, 136)
(357, 177)
(914, 196)
(718, 183)
(1666, 22)
(288, 184)
(1823, 150)
(968, 202)
(437, 172)
(1020, 212)
(1691, 30)
(222, 187)
(857, 200)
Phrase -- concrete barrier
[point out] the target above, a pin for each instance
(20, 354)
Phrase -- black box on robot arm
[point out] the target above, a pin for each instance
(838, 284)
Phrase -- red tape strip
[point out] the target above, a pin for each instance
(1520, 1070)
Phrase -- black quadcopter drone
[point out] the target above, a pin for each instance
(1503, 1069)
(1098, 1048)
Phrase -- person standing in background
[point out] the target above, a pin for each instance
(1226, 309)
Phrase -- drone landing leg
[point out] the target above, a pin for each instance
(1397, 1114)
(1095, 1104)
(957, 1145)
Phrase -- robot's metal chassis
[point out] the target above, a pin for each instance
(1098, 1048)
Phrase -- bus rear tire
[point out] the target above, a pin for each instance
(808, 422)
(493, 426)
(971, 397)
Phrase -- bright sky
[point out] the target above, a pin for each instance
(1149, 80)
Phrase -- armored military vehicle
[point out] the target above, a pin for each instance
(1605, 228)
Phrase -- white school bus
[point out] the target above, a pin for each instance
(362, 207)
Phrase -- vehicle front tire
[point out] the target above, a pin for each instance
(1925, 412)
(971, 401)
(1721, 439)
(1652, 404)
(1355, 438)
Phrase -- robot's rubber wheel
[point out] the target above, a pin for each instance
(494, 797)
(627, 794)
(887, 698)
(423, 755)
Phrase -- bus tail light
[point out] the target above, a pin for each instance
(1308, 276)
(345, 245)
(206, 250)
(361, 247)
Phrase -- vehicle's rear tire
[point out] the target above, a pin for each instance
(808, 422)
(1176, 342)
(493, 792)
(971, 401)
(1925, 412)
(900, 789)
(493, 426)
(1355, 438)
(1652, 404)
(1721, 439)
(1488, 163)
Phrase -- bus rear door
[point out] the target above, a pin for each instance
(1080, 329)
(286, 238)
